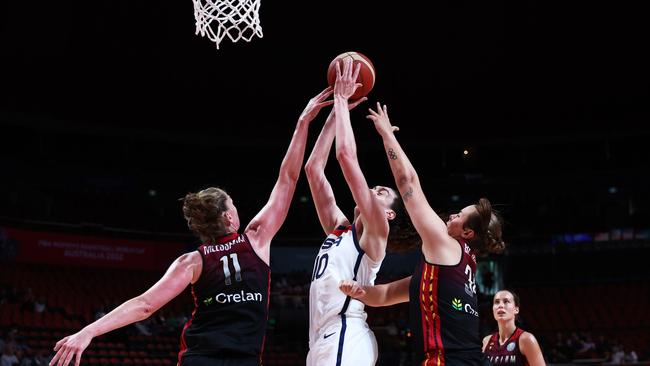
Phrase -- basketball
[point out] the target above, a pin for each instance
(366, 73)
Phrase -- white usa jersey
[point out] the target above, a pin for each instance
(340, 258)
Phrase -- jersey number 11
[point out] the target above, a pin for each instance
(226, 268)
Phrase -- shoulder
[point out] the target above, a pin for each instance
(486, 340)
(191, 262)
(254, 231)
(527, 337)
(189, 259)
(527, 341)
(529, 347)
(448, 251)
(373, 245)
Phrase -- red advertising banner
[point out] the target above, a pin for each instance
(90, 251)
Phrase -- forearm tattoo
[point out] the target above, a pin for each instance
(408, 194)
(392, 154)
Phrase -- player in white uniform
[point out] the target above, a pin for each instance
(338, 332)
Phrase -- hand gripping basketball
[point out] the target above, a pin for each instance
(366, 72)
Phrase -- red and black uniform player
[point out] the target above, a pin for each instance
(229, 272)
(442, 290)
(230, 303)
(506, 353)
(510, 345)
(444, 316)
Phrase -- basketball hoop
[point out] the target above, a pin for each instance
(237, 19)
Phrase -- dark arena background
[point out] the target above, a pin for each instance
(112, 110)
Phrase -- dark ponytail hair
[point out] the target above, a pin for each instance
(486, 224)
(204, 213)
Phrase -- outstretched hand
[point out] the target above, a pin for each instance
(381, 120)
(316, 104)
(71, 346)
(352, 289)
(346, 79)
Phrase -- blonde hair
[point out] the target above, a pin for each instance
(204, 213)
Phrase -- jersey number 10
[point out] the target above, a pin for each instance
(319, 266)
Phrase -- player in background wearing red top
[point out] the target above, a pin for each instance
(510, 345)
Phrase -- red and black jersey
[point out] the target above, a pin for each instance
(507, 353)
(231, 302)
(444, 312)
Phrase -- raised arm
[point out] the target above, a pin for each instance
(185, 270)
(378, 295)
(329, 214)
(267, 222)
(437, 245)
(375, 224)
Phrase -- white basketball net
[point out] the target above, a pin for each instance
(237, 19)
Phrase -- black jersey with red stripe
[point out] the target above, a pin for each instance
(507, 353)
(444, 312)
(231, 301)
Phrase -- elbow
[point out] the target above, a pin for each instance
(345, 155)
(311, 169)
(145, 307)
(405, 177)
(290, 177)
